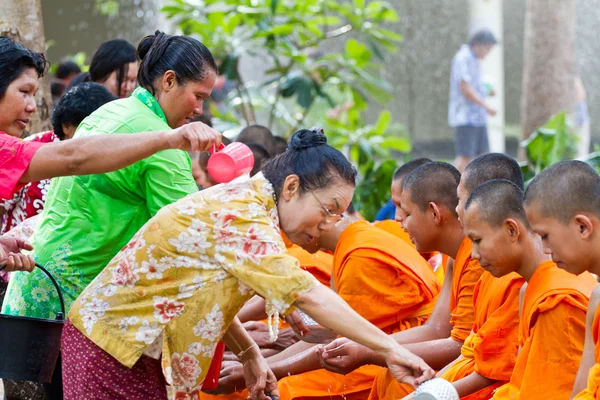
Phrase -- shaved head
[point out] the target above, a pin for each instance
(564, 190)
(433, 182)
(492, 166)
(497, 200)
(409, 167)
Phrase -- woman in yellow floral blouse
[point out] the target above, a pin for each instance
(174, 291)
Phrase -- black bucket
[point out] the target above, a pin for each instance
(29, 347)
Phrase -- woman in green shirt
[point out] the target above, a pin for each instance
(88, 219)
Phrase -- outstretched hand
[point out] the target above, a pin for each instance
(195, 136)
(11, 256)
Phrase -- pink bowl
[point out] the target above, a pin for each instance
(230, 162)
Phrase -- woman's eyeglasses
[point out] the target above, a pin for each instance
(331, 218)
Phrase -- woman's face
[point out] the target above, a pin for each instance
(129, 81)
(181, 103)
(303, 216)
(18, 103)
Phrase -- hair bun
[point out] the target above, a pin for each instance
(146, 43)
(307, 138)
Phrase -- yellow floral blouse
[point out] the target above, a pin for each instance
(186, 274)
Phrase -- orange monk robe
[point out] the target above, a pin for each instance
(465, 276)
(387, 282)
(438, 264)
(592, 391)
(551, 335)
(318, 264)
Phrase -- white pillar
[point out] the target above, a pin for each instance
(488, 14)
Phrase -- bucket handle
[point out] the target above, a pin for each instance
(61, 315)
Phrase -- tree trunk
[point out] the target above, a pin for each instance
(22, 20)
(548, 62)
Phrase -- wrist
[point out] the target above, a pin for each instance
(250, 353)
(164, 140)
(386, 347)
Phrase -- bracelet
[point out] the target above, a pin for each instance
(241, 354)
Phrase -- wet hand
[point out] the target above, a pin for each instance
(11, 257)
(195, 136)
(297, 324)
(343, 356)
(231, 378)
(407, 367)
(260, 380)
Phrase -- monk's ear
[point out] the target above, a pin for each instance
(435, 213)
(584, 224)
(513, 229)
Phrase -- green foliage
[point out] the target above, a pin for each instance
(109, 8)
(304, 86)
(551, 143)
(369, 147)
(78, 58)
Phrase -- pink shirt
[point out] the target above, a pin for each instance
(15, 156)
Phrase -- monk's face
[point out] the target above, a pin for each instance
(568, 244)
(396, 198)
(418, 224)
(494, 247)
(463, 195)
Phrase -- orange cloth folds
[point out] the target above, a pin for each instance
(553, 298)
(388, 283)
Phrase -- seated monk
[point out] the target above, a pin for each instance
(562, 204)
(438, 261)
(552, 326)
(445, 331)
(383, 279)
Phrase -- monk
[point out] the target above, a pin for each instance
(552, 324)
(460, 285)
(562, 204)
(383, 279)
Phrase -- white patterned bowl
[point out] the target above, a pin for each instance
(436, 389)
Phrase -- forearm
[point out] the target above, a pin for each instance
(306, 361)
(237, 339)
(423, 333)
(93, 154)
(291, 352)
(330, 311)
(253, 310)
(468, 91)
(472, 384)
(437, 353)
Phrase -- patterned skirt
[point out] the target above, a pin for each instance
(91, 373)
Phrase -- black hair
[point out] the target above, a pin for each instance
(79, 78)
(433, 182)
(483, 37)
(498, 199)
(14, 59)
(310, 158)
(409, 167)
(186, 56)
(564, 190)
(76, 104)
(492, 166)
(57, 88)
(279, 145)
(113, 55)
(260, 156)
(66, 68)
(257, 134)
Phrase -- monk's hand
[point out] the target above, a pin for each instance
(260, 380)
(231, 378)
(297, 324)
(195, 136)
(407, 367)
(11, 258)
(343, 356)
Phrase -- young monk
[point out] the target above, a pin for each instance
(552, 325)
(563, 207)
(383, 279)
(459, 279)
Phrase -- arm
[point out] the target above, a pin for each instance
(587, 359)
(471, 95)
(253, 310)
(471, 384)
(101, 153)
